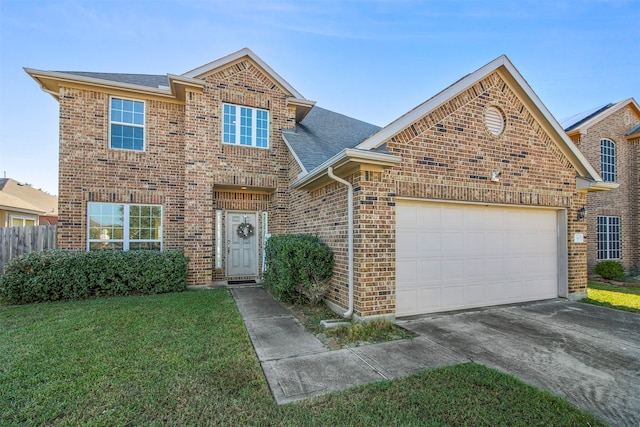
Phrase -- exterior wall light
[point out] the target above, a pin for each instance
(582, 212)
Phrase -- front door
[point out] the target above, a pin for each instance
(242, 244)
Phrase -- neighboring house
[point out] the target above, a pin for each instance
(609, 137)
(470, 199)
(23, 205)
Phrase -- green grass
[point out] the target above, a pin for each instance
(186, 359)
(618, 297)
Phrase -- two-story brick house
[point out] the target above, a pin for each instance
(609, 137)
(470, 199)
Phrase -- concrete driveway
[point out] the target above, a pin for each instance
(587, 354)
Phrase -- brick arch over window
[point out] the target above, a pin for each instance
(608, 160)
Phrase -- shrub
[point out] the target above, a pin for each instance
(298, 268)
(66, 275)
(612, 270)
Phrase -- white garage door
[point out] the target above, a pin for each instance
(453, 256)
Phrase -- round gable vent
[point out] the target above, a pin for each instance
(494, 120)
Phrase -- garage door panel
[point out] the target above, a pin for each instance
(474, 295)
(461, 256)
(513, 266)
(494, 268)
(428, 215)
(494, 243)
(407, 272)
(428, 243)
(513, 243)
(515, 290)
(430, 298)
(474, 243)
(407, 215)
(451, 215)
(474, 269)
(495, 293)
(430, 269)
(408, 300)
(452, 269)
(473, 218)
(452, 243)
(451, 296)
(406, 244)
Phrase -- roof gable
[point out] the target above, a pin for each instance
(240, 55)
(518, 85)
(598, 115)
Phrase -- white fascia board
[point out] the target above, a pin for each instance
(197, 72)
(347, 153)
(92, 81)
(295, 156)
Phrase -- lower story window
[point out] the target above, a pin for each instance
(124, 226)
(608, 237)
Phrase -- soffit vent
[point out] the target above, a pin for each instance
(494, 120)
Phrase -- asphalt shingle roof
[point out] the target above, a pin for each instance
(149, 80)
(572, 122)
(14, 194)
(323, 134)
(635, 129)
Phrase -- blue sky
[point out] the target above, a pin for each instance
(372, 60)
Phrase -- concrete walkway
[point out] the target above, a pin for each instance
(298, 366)
(586, 354)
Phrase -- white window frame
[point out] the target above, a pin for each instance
(238, 126)
(608, 168)
(126, 233)
(143, 126)
(608, 234)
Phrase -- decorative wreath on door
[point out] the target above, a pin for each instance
(245, 230)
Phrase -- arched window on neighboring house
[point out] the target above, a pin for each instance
(608, 160)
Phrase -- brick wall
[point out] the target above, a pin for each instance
(183, 163)
(623, 201)
(91, 172)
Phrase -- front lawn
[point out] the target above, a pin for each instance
(186, 358)
(618, 297)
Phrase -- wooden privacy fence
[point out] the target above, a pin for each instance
(16, 241)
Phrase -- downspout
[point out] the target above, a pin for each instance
(347, 314)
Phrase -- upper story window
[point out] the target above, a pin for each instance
(608, 160)
(245, 126)
(126, 119)
(124, 226)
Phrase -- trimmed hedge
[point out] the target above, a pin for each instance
(71, 275)
(612, 270)
(298, 268)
